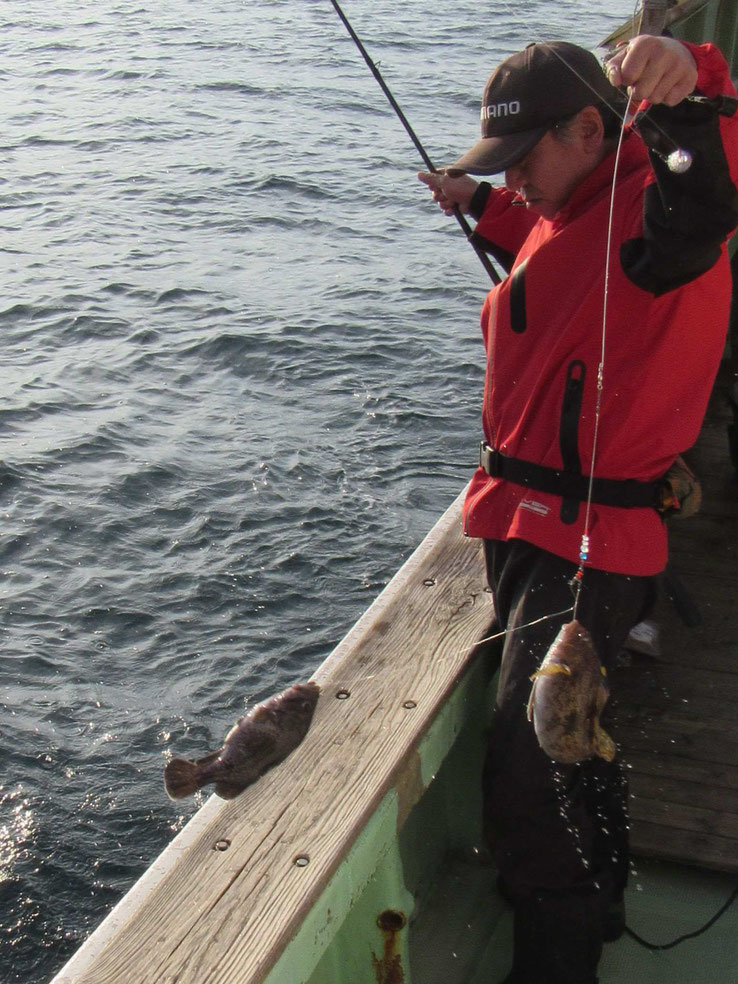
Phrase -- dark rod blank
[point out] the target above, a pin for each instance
(494, 276)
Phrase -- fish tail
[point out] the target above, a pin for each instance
(181, 778)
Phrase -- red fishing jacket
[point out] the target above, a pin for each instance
(666, 316)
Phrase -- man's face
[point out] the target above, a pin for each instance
(549, 173)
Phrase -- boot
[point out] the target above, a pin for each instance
(614, 920)
(557, 939)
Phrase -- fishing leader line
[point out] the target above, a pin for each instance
(584, 548)
(576, 582)
(527, 625)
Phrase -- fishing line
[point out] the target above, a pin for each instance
(519, 628)
(576, 582)
(678, 160)
(468, 232)
(584, 549)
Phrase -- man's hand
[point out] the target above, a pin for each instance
(450, 189)
(661, 70)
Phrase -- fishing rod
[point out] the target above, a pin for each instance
(484, 259)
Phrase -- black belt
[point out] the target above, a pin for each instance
(628, 493)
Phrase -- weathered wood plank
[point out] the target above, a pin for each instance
(716, 776)
(709, 746)
(707, 850)
(682, 817)
(681, 792)
(220, 916)
(667, 684)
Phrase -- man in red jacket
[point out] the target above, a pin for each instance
(602, 347)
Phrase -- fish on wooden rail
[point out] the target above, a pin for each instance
(257, 742)
(568, 695)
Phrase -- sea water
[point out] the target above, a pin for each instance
(241, 375)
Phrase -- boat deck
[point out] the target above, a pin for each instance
(676, 713)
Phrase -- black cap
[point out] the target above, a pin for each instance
(527, 94)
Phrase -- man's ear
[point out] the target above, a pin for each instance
(591, 129)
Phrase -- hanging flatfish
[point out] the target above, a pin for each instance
(259, 740)
(568, 695)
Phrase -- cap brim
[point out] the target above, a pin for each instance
(494, 154)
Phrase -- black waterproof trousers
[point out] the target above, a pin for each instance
(559, 832)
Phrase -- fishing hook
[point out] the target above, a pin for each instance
(484, 259)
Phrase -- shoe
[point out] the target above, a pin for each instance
(507, 896)
(613, 925)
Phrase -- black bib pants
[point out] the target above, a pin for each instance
(559, 832)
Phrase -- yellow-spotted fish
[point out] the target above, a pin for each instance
(568, 695)
(259, 740)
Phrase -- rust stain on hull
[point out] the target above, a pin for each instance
(388, 968)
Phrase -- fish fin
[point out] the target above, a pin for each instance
(552, 670)
(604, 746)
(531, 699)
(180, 778)
(603, 694)
(229, 790)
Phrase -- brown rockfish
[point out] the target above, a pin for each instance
(568, 695)
(259, 740)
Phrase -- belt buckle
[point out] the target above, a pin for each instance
(489, 459)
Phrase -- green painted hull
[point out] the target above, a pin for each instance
(400, 854)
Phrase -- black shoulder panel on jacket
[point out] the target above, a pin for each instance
(686, 217)
(503, 256)
(476, 206)
(479, 199)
